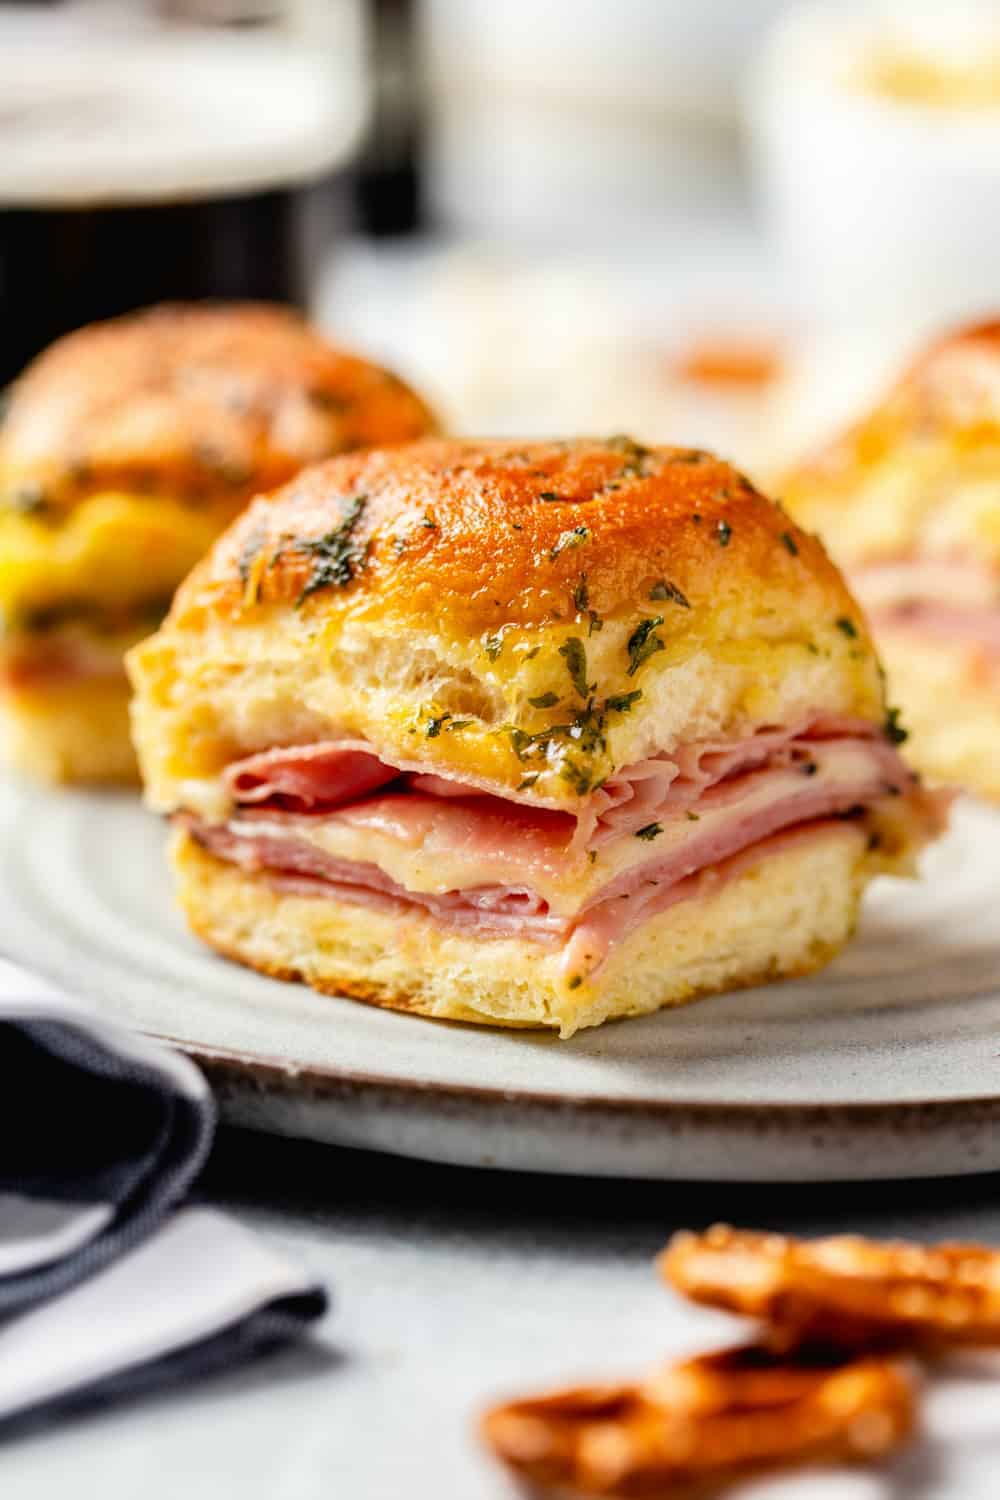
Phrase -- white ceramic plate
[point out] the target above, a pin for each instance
(886, 1065)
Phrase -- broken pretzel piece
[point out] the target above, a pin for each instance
(844, 1291)
(695, 1426)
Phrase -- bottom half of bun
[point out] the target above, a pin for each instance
(75, 730)
(786, 915)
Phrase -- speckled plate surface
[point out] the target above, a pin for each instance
(886, 1065)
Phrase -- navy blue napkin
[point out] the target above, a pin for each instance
(107, 1285)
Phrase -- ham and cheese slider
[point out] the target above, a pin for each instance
(908, 501)
(124, 450)
(532, 734)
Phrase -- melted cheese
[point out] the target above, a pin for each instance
(111, 551)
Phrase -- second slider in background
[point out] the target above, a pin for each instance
(124, 450)
(908, 501)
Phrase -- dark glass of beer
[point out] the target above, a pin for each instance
(62, 267)
(172, 163)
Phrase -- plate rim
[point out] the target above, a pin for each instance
(243, 1067)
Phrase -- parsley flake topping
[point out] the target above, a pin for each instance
(622, 703)
(650, 832)
(336, 557)
(642, 643)
(894, 731)
(664, 589)
(577, 776)
(574, 653)
(636, 455)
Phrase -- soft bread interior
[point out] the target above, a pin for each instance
(786, 915)
(441, 860)
(204, 700)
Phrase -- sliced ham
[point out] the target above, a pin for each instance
(947, 599)
(973, 626)
(585, 944)
(665, 786)
(61, 659)
(748, 794)
(336, 774)
(519, 841)
(960, 581)
(323, 775)
(499, 911)
(303, 778)
(603, 926)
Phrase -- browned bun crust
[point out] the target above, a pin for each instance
(543, 610)
(479, 535)
(982, 337)
(908, 500)
(208, 402)
(953, 383)
(875, 489)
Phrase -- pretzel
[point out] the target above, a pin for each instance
(697, 1425)
(843, 1291)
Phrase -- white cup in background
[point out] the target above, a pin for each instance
(884, 208)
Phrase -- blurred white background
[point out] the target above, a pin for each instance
(714, 222)
(717, 223)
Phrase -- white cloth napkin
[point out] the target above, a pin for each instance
(106, 1286)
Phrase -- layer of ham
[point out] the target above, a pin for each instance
(335, 774)
(947, 599)
(700, 809)
(61, 657)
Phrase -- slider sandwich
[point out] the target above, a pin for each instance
(124, 450)
(530, 734)
(908, 501)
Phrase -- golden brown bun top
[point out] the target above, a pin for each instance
(478, 536)
(529, 614)
(920, 473)
(200, 401)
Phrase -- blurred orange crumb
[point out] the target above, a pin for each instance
(730, 361)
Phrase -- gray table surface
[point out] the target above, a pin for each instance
(453, 1287)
